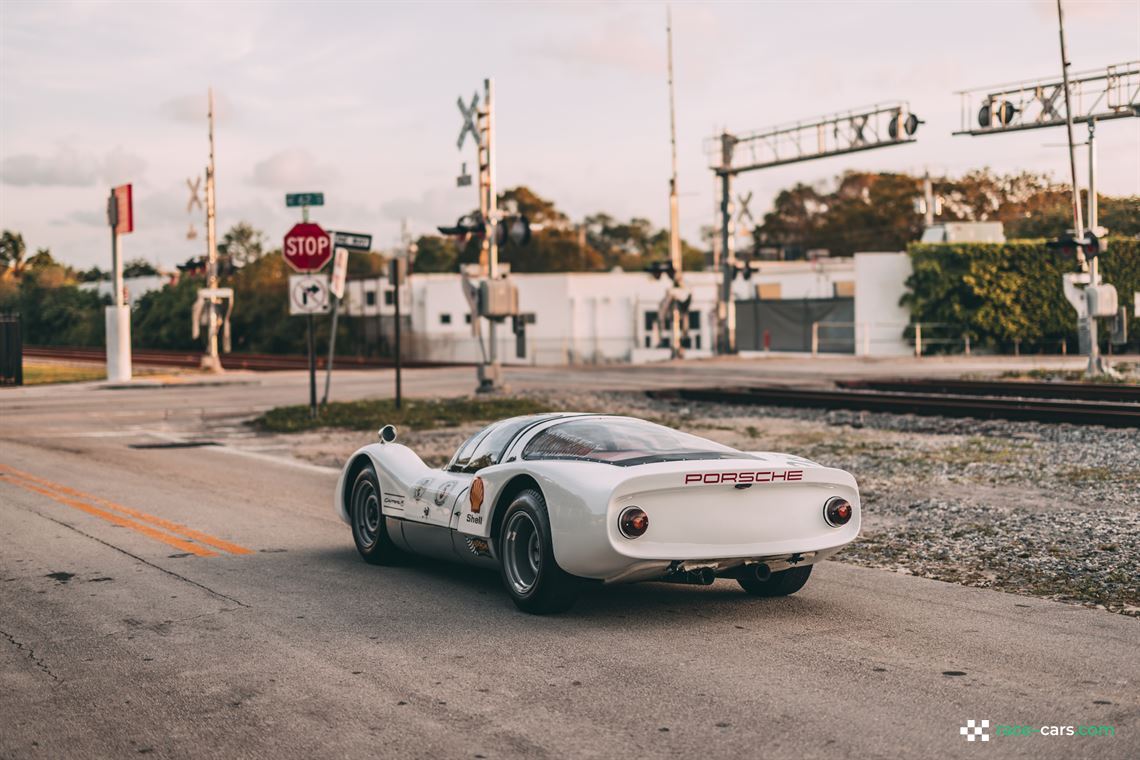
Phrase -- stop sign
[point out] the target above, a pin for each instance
(307, 247)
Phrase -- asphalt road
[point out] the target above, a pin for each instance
(206, 602)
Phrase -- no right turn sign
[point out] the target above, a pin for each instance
(308, 294)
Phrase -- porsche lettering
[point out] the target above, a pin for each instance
(748, 476)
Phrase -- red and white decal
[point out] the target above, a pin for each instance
(748, 476)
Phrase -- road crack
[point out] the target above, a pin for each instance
(31, 653)
(137, 558)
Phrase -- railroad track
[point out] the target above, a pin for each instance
(192, 359)
(1076, 412)
(1084, 391)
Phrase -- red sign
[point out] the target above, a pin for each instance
(123, 219)
(307, 247)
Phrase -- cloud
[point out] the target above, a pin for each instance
(616, 45)
(296, 170)
(432, 208)
(82, 217)
(193, 108)
(1091, 10)
(67, 167)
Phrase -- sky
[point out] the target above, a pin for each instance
(358, 100)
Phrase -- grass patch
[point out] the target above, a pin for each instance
(1127, 375)
(43, 374)
(416, 414)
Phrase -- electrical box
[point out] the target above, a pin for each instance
(1120, 327)
(498, 299)
(1101, 300)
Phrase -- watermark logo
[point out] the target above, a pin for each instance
(975, 730)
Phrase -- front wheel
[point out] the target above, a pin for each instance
(369, 530)
(782, 583)
(526, 558)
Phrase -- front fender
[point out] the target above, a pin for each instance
(397, 466)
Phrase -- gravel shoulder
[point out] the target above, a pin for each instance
(1042, 510)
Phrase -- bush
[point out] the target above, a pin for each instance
(1006, 292)
(54, 311)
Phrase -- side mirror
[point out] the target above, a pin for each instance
(387, 434)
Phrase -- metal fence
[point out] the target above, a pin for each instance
(864, 337)
(11, 350)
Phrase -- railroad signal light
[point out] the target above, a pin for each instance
(658, 268)
(1001, 111)
(901, 124)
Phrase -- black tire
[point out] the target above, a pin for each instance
(533, 579)
(782, 583)
(369, 530)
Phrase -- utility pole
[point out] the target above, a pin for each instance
(726, 309)
(210, 360)
(490, 374)
(1078, 224)
(674, 221)
(1094, 221)
(1095, 366)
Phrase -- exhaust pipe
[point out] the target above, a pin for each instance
(760, 572)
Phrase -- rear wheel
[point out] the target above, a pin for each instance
(526, 558)
(369, 531)
(777, 584)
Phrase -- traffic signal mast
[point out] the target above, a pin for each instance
(879, 126)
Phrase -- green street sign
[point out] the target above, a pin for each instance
(304, 199)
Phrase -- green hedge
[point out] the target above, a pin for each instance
(1002, 293)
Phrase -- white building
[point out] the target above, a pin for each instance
(588, 317)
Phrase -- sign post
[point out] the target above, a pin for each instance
(336, 289)
(307, 249)
(304, 200)
(120, 217)
(397, 273)
(343, 244)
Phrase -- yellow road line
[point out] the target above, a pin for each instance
(146, 530)
(173, 527)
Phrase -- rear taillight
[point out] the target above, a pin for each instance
(837, 512)
(633, 522)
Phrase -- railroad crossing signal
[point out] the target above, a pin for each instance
(469, 114)
(195, 201)
(744, 213)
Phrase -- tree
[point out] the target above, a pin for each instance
(94, 274)
(12, 250)
(138, 268)
(240, 246)
(435, 254)
(867, 211)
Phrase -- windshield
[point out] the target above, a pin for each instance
(623, 441)
(486, 447)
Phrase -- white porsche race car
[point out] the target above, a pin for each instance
(558, 500)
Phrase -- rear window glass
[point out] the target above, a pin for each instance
(623, 441)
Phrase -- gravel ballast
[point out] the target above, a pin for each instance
(1030, 508)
